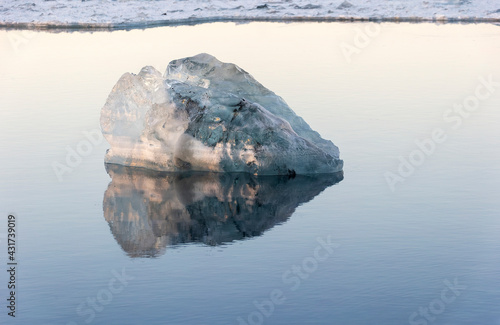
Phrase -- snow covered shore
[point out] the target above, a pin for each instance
(144, 13)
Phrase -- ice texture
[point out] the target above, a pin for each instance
(142, 13)
(147, 211)
(205, 115)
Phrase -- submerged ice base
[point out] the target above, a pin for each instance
(205, 115)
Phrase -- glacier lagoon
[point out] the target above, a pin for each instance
(358, 251)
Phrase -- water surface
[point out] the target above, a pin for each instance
(104, 247)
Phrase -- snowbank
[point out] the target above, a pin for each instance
(135, 13)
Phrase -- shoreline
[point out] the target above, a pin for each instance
(77, 26)
(140, 14)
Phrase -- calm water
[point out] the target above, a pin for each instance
(104, 245)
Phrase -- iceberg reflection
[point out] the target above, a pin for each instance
(148, 210)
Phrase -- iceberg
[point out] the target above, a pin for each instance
(206, 115)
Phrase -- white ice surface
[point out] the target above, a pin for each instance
(142, 13)
(206, 115)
